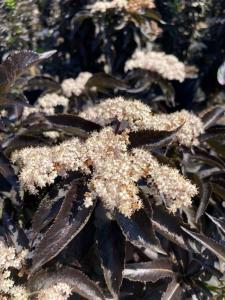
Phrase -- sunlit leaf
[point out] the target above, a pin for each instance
(209, 243)
(138, 230)
(221, 74)
(149, 271)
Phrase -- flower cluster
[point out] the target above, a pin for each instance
(135, 5)
(103, 6)
(115, 170)
(76, 86)
(11, 259)
(167, 66)
(58, 291)
(128, 5)
(47, 104)
(140, 117)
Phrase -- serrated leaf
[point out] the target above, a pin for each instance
(77, 280)
(111, 248)
(138, 230)
(149, 271)
(205, 193)
(72, 217)
(216, 248)
(173, 291)
(168, 226)
(211, 117)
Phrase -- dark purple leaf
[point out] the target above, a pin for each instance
(49, 207)
(220, 223)
(205, 193)
(149, 271)
(152, 138)
(72, 217)
(111, 248)
(73, 124)
(211, 117)
(168, 226)
(138, 230)
(78, 282)
(17, 63)
(7, 171)
(173, 291)
(216, 248)
(20, 142)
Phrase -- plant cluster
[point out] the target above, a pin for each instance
(111, 185)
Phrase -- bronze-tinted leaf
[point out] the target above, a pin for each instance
(205, 193)
(104, 82)
(149, 271)
(152, 138)
(72, 217)
(111, 248)
(77, 280)
(216, 248)
(211, 117)
(138, 230)
(173, 291)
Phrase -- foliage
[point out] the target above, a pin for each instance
(112, 198)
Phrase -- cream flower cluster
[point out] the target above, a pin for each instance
(167, 66)
(10, 259)
(103, 6)
(128, 5)
(135, 5)
(115, 171)
(76, 86)
(59, 291)
(47, 104)
(140, 117)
